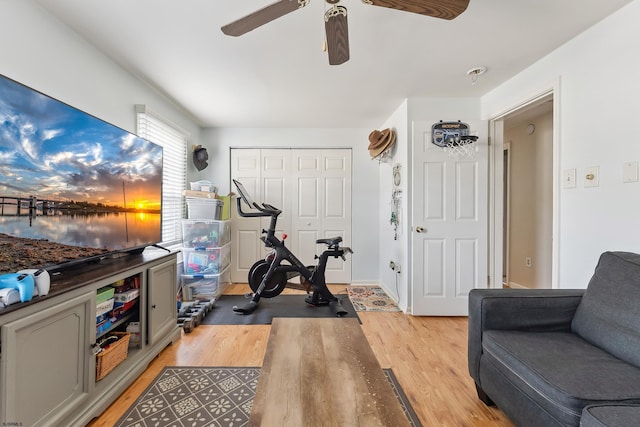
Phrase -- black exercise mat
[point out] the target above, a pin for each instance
(280, 306)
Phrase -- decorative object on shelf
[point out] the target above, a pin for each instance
(200, 157)
(454, 139)
(381, 142)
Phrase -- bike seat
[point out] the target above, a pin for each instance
(331, 241)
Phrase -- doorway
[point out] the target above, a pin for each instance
(524, 196)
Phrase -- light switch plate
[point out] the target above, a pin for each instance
(569, 178)
(592, 176)
(630, 172)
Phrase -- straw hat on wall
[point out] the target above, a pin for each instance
(380, 140)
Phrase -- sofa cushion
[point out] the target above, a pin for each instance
(560, 371)
(609, 314)
(610, 416)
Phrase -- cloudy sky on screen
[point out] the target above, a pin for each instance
(57, 152)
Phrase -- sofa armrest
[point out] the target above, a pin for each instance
(534, 310)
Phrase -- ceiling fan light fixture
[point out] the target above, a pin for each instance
(475, 73)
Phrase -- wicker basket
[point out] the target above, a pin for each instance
(113, 356)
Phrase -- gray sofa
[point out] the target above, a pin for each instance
(561, 357)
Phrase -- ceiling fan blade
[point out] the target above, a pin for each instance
(443, 9)
(262, 16)
(337, 31)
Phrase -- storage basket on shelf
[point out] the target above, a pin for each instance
(115, 354)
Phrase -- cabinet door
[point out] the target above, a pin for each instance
(46, 363)
(162, 312)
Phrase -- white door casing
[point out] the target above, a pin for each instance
(449, 215)
(313, 190)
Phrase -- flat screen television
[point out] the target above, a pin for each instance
(72, 187)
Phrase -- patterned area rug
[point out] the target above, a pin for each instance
(199, 396)
(371, 298)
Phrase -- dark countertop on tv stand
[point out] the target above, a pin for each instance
(87, 273)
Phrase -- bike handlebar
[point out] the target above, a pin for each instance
(264, 210)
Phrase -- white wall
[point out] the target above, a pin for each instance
(598, 74)
(392, 247)
(40, 52)
(365, 187)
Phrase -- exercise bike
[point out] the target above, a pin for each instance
(268, 277)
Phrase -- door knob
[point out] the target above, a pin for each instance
(421, 230)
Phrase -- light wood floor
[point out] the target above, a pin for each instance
(428, 355)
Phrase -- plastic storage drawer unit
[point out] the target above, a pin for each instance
(204, 286)
(200, 233)
(206, 261)
(201, 208)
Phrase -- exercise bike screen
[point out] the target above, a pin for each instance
(243, 193)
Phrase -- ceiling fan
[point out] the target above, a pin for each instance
(337, 35)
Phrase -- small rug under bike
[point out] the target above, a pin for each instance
(280, 306)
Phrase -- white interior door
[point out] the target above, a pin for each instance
(313, 190)
(449, 230)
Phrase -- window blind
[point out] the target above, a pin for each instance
(174, 141)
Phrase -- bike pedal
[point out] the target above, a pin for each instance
(309, 301)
